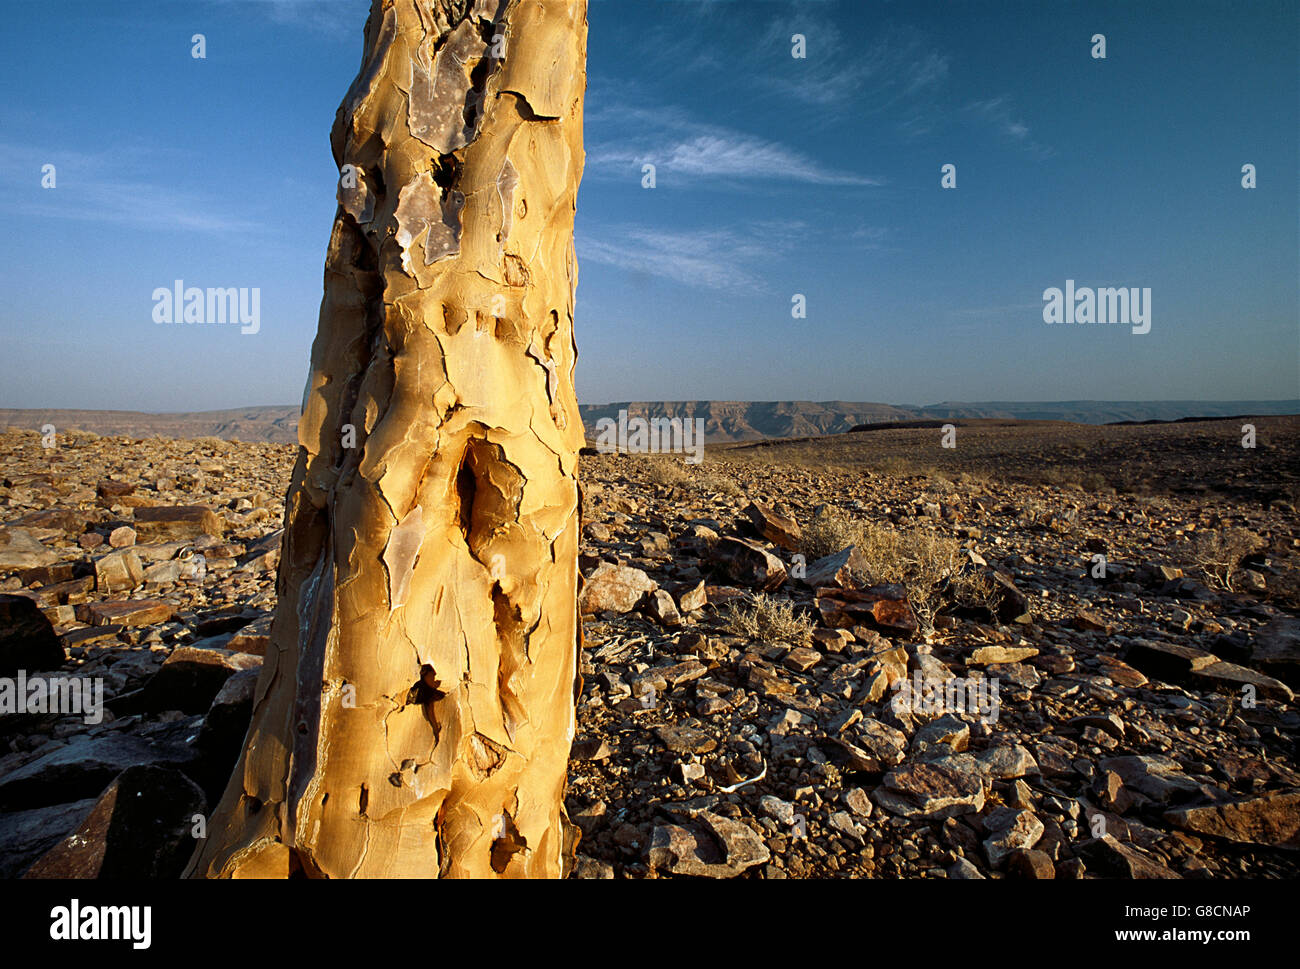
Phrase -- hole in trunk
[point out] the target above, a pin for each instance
(466, 488)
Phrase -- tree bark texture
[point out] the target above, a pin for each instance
(416, 707)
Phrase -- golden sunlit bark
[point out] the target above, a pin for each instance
(416, 709)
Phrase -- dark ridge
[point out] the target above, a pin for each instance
(1193, 420)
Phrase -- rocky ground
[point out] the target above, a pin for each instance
(745, 707)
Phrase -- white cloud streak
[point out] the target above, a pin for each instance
(998, 113)
(88, 189)
(719, 259)
(697, 152)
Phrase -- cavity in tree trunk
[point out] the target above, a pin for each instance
(416, 707)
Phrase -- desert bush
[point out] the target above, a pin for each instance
(1072, 478)
(973, 590)
(885, 551)
(770, 619)
(78, 437)
(660, 471)
(829, 531)
(1059, 477)
(1218, 554)
(926, 561)
(919, 559)
(715, 483)
(896, 466)
(1095, 481)
(940, 482)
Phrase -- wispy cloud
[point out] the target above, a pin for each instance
(89, 188)
(722, 259)
(999, 113)
(869, 236)
(697, 152)
(723, 154)
(901, 71)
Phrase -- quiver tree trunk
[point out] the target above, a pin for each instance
(416, 707)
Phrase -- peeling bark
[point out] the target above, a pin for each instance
(416, 707)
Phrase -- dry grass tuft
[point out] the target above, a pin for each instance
(769, 619)
(665, 471)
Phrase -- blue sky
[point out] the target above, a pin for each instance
(774, 176)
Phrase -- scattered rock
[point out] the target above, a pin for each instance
(777, 528)
(122, 537)
(749, 564)
(1167, 661)
(839, 569)
(165, 523)
(930, 791)
(142, 826)
(614, 588)
(189, 680)
(1030, 864)
(1010, 830)
(1111, 858)
(84, 767)
(963, 870)
(661, 608)
(715, 847)
(130, 612)
(27, 639)
(1159, 778)
(119, 571)
(1273, 819)
(20, 550)
(990, 655)
(26, 835)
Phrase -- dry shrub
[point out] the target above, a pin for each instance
(919, 559)
(895, 466)
(769, 619)
(1060, 477)
(830, 530)
(1218, 554)
(714, 483)
(940, 482)
(659, 471)
(973, 590)
(673, 473)
(928, 561)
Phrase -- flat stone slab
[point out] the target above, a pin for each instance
(1273, 820)
(931, 792)
(1231, 677)
(169, 522)
(992, 655)
(614, 588)
(1167, 661)
(716, 847)
(19, 549)
(130, 612)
